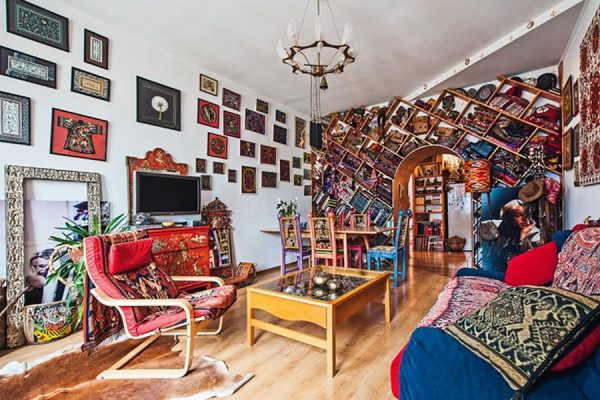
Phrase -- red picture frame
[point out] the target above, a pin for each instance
(231, 124)
(268, 155)
(248, 180)
(208, 113)
(217, 146)
(78, 135)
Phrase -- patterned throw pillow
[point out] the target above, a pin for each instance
(523, 330)
(579, 263)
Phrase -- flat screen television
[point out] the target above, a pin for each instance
(164, 194)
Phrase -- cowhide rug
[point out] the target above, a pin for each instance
(72, 375)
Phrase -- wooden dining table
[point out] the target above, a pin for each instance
(344, 234)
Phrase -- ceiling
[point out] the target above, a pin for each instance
(402, 43)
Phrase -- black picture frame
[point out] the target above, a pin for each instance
(92, 54)
(76, 85)
(280, 134)
(9, 62)
(208, 85)
(37, 30)
(280, 116)
(147, 113)
(23, 107)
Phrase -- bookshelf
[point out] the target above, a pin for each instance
(429, 207)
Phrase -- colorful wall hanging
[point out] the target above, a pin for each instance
(95, 49)
(208, 113)
(284, 170)
(248, 179)
(589, 104)
(269, 179)
(268, 155)
(217, 145)
(37, 23)
(262, 106)
(15, 118)
(247, 149)
(280, 116)
(231, 99)
(477, 176)
(255, 122)
(279, 134)
(25, 67)
(209, 85)
(231, 124)
(78, 135)
(90, 84)
(300, 134)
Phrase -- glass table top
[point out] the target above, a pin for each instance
(320, 283)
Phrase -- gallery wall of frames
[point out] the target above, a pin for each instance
(84, 95)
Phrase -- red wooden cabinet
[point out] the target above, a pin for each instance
(181, 251)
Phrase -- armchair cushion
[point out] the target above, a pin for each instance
(208, 304)
(126, 256)
(579, 263)
(147, 282)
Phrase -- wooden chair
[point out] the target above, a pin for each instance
(322, 239)
(358, 222)
(124, 276)
(291, 241)
(392, 252)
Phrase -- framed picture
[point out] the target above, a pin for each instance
(297, 180)
(279, 134)
(300, 134)
(90, 84)
(201, 165)
(217, 145)
(247, 149)
(576, 98)
(284, 170)
(280, 116)
(37, 23)
(576, 134)
(307, 158)
(25, 67)
(218, 168)
(208, 113)
(567, 152)
(95, 49)
(231, 124)
(307, 190)
(206, 182)
(306, 174)
(262, 106)
(567, 102)
(209, 85)
(77, 135)
(248, 180)
(255, 122)
(576, 176)
(268, 179)
(296, 162)
(231, 99)
(158, 104)
(15, 118)
(232, 175)
(429, 169)
(268, 155)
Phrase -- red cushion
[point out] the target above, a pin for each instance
(126, 256)
(534, 267)
(578, 227)
(395, 373)
(579, 353)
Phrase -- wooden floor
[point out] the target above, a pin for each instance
(285, 369)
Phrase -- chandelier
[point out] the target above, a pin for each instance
(318, 59)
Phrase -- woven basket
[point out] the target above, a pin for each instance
(456, 243)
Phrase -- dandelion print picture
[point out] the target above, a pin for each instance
(158, 104)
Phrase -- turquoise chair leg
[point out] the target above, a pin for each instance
(396, 270)
(378, 259)
(404, 265)
(368, 261)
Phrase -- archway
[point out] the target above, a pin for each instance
(401, 195)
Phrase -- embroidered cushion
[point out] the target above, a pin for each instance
(579, 263)
(208, 304)
(461, 297)
(147, 282)
(534, 267)
(526, 328)
(125, 256)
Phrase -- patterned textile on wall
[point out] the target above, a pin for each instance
(589, 97)
(578, 267)
(523, 330)
(477, 176)
(461, 297)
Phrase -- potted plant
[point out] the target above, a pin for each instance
(287, 208)
(69, 253)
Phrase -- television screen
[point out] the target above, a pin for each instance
(167, 194)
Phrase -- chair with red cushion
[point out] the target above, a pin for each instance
(150, 305)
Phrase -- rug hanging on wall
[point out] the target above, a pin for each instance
(72, 374)
(589, 97)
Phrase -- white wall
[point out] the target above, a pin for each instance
(579, 201)
(130, 57)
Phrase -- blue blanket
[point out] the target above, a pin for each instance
(436, 366)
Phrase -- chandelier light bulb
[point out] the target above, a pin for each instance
(347, 34)
(355, 49)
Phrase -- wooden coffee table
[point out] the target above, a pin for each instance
(307, 303)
